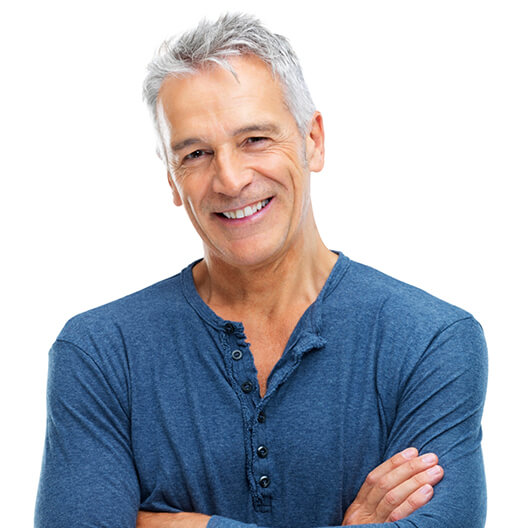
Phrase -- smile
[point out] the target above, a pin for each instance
(246, 211)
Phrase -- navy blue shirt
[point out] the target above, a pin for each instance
(153, 404)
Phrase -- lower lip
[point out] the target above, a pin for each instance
(246, 219)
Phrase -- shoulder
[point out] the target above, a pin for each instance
(396, 304)
(115, 325)
(412, 333)
(398, 321)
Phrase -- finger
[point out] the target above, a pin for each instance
(403, 495)
(415, 501)
(379, 472)
(399, 475)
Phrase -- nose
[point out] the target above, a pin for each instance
(230, 176)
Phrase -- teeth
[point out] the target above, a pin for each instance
(246, 211)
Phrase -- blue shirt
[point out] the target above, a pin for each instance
(153, 404)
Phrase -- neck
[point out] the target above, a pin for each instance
(292, 279)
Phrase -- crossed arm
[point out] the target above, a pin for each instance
(439, 411)
(392, 491)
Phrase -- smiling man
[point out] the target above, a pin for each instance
(273, 382)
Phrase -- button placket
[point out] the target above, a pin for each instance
(237, 348)
(264, 481)
(261, 455)
(243, 373)
(247, 387)
(237, 354)
(229, 328)
(262, 451)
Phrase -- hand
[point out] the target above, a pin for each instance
(171, 520)
(395, 489)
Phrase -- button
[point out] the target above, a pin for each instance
(229, 328)
(262, 451)
(264, 481)
(247, 387)
(237, 354)
(261, 417)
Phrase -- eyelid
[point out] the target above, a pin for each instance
(258, 139)
(188, 157)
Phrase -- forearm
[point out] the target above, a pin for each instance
(171, 520)
(217, 521)
(197, 520)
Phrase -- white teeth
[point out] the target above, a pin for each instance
(246, 211)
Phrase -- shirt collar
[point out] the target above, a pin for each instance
(309, 323)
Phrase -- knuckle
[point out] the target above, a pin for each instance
(414, 501)
(391, 498)
(413, 466)
(396, 515)
(397, 460)
(420, 478)
(383, 483)
(371, 479)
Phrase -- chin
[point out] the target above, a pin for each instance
(251, 256)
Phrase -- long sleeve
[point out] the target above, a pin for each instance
(151, 408)
(440, 403)
(88, 477)
(440, 410)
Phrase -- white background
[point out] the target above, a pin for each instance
(422, 102)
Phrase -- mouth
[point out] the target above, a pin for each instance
(247, 211)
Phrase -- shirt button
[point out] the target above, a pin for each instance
(262, 451)
(237, 355)
(261, 417)
(264, 481)
(229, 328)
(247, 387)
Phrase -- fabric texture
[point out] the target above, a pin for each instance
(153, 404)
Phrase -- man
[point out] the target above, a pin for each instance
(274, 382)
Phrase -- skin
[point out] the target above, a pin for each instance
(230, 142)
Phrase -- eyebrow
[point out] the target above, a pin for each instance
(261, 127)
(185, 143)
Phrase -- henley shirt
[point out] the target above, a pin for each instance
(154, 404)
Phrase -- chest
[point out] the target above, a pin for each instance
(197, 424)
(267, 346)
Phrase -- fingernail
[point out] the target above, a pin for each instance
(436, 470)
(409, 453)
(429, 459)
(426, 490)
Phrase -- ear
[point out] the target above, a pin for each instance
(315, 143)
(176, 195)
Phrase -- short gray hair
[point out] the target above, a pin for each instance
(214, 42)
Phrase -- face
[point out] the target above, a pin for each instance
(237, 161)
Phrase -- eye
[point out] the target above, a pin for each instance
(255, 139)
(195, 155)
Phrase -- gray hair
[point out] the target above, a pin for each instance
(231, 35)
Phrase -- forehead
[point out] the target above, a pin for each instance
(214, 97)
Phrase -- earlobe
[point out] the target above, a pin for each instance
(316, 143)
(176, 195)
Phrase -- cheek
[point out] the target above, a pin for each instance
(281, 166)
(190, 184)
